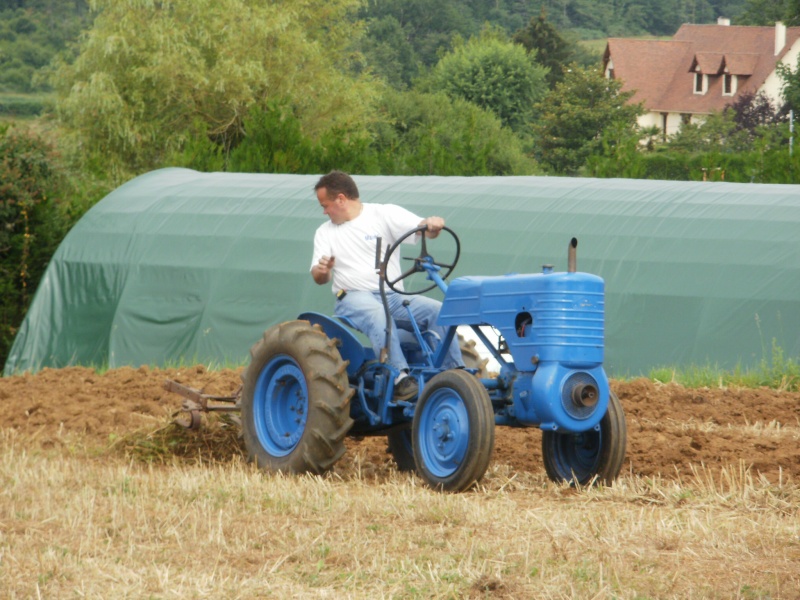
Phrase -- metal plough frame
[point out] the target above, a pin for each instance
(196, 402)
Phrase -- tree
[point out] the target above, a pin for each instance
(148, 72)
(753, 111)
(34, 221)
(273, 142)
(427, 26)
(494, 74)
(389, 52)
(750, 121)
(574, 115)
(790, 81)
(767, 12)
(550, 50)
(432, 134)
(717, 133)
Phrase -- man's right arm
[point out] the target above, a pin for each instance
(321, 263)
(322, 271)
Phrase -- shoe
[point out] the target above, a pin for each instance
(406, 388)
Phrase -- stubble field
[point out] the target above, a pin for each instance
(103, 497)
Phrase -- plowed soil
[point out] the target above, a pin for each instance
(670, 428)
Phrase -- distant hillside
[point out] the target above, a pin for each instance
(411, 34)
(31, 33)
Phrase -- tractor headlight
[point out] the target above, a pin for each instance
(580, 395)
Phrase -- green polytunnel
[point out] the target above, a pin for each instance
(181, 266)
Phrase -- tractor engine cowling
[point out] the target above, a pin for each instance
(558, 398)
(553, 324)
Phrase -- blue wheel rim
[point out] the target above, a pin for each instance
(280, 405)
(443, 433)
(577, 454)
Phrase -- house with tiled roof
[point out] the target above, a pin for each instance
(703, 68)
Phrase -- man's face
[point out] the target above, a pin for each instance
(333, 206)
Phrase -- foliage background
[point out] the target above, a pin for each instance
(94, 92)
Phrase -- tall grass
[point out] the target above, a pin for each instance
(776, 372)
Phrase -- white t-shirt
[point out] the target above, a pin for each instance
(353, 243)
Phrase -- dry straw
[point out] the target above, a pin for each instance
(80, 524)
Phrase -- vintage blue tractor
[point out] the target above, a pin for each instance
(311, 382)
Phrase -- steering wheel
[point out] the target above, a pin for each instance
(423, 257)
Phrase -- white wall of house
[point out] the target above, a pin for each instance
(650, 119)
(673, 121)
(773, 84)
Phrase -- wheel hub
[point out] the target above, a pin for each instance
(282, 409)
(447, 425)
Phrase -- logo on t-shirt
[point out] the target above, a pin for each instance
(370, 237)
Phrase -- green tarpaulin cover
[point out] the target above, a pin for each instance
(177, 265)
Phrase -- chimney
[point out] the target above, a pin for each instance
(723, 21)
(780, 37)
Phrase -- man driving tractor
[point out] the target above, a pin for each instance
(344, 253)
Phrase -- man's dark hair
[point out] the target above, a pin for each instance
(338, 182)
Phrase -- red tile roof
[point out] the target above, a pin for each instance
(662, 71)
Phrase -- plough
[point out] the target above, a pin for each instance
(196, 402)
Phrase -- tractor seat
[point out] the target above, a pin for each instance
(408, 341)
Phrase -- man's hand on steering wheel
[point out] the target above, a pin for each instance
(434, 225)
(424, 257)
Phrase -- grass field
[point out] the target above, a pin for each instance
(599, 46)
(23, 107)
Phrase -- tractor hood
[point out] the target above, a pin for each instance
(543, 317)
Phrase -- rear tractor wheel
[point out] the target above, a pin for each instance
(295, 400)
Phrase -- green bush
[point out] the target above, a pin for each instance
(431, 134)
(16, 79)
(773, 165)
(34, 223)
(666, 166)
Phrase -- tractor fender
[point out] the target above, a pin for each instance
(350, 347)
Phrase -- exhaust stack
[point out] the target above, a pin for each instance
(572, 256)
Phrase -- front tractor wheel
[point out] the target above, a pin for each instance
(594, 456)
(453, 431)
(295, 400)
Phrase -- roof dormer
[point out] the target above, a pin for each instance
(709, 63)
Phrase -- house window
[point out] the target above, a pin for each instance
(700, 83)
(686, 118)
(728, 85)
(610, 69)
